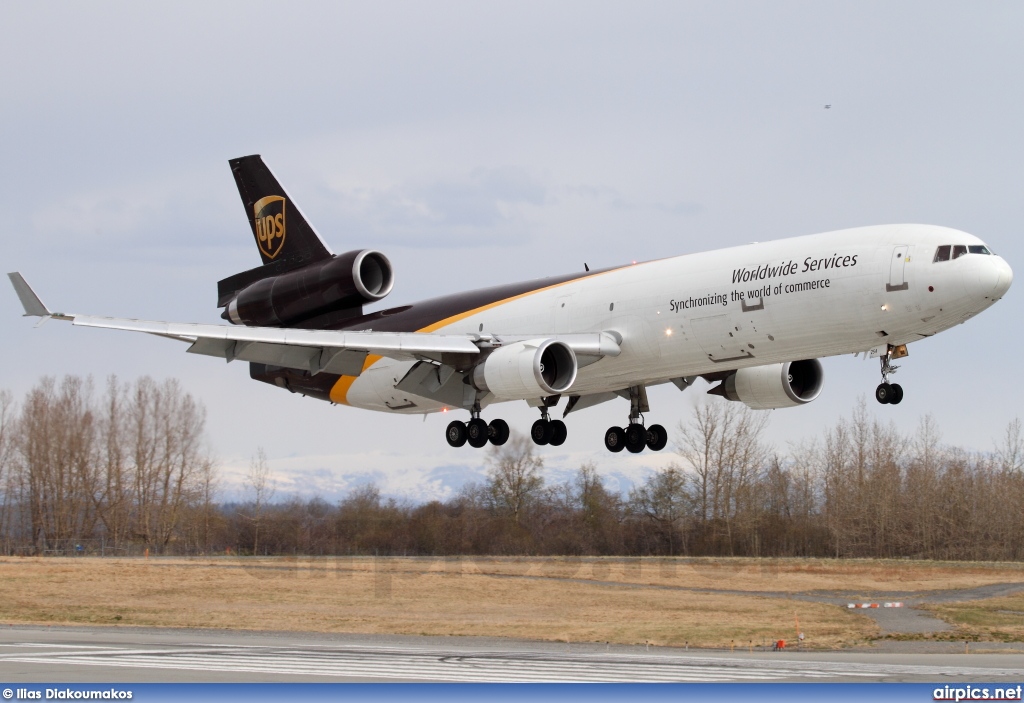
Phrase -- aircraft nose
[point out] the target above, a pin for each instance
(1005, 278)
(989, 277)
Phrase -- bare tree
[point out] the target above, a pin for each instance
(664, 503)
(56, 443)
(208, 485)
(165, 440)
(1010, 451)
(7, 486)
(722, 447)
(114, 501)
(262, 487)
(514, 476)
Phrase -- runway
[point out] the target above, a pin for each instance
(128, 655)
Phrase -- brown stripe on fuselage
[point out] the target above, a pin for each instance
(437, 313)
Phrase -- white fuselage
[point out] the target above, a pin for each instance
(807, 297)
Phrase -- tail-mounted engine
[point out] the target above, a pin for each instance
(775, 385)
(344, 282)
(531, 369)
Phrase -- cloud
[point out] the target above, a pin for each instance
(463, 211)
(143, 219)
(615, 200)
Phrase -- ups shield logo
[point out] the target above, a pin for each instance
(270, 230)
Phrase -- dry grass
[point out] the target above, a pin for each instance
(993, 618)
(472, 596)
(767, 575)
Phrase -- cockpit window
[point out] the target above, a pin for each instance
(955, 251)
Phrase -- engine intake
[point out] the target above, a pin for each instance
(531, 369)
(344, 282)
(776, 385)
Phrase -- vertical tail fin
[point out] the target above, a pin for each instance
(282, 234)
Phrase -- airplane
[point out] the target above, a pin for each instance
(753, 319)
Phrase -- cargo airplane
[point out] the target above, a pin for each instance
(752, 319)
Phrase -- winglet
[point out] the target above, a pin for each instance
(30, 301)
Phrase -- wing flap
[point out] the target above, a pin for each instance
(316, 351)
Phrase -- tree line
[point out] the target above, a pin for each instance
(128, 470)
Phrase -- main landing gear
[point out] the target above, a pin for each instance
(548, 431)
(476, 432)
(635, 436)
(888, 393)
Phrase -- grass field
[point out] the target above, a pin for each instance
(1000, 619)
(590, 600)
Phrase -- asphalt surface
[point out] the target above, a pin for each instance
(136, 655)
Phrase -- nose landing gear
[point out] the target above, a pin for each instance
(889, 393)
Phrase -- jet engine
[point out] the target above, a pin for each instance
(775, 385)
(346, 281)
(531, 369)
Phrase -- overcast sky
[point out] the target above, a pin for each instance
(479, 143)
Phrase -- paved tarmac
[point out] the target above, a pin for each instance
(137, 655)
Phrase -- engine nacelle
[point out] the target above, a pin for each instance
(531, 369)
(776, 385)
(346, 281)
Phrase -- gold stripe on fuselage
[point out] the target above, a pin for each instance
(339, 391)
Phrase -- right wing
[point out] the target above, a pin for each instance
(329, 351)
(316, 351)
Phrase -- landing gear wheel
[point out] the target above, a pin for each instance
(541, 432)
(897, 394)
(476, 432)
(498, 431)
(884, 393)
(615, 439)
(657, 438)
(636, 438)
(456, 433)
(558, 433)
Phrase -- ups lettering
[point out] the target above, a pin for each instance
(269, 227)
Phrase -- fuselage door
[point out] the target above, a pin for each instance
(564, 313)
(897, 269)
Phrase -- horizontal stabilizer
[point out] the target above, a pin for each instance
(29, 300)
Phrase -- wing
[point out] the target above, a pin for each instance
(315, 351)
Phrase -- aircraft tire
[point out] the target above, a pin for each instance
(615, 439)
(456, 433)
(476, 433)
(541, 432)
(636, 438)
(499, 432)
(558, 433)
(884, 394)
(657, 438)
(897, 394)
